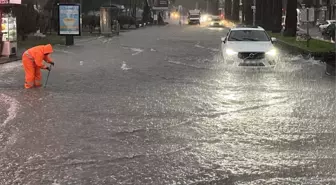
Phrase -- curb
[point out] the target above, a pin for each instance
(8, 60)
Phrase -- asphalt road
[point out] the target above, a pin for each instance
(157, 106)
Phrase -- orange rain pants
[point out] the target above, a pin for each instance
(33, 75)
(32, 61)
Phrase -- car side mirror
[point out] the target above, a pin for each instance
(273, 39)
(223, 39)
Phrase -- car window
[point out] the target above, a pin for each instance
(248, 35)
(194, 16)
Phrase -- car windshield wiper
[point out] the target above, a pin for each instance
(234, 38)
(251, 39)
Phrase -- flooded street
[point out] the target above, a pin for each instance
(158, 106)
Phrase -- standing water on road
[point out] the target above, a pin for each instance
(171, 114)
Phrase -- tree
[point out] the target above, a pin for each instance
(27, 20)
(248, 12)
(258, 12)
(291, 19)
(308, 3)
(267, 14)
(228, 9)
(146, 12)
(235, 10)
(277, 16)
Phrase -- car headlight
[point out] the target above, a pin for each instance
(272, 52)
(230, 52)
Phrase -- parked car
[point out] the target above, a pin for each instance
(325, 24)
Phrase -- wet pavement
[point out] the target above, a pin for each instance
(158, 106)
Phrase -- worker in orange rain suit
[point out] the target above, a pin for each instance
(32, 61)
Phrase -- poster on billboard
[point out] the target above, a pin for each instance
(69, 19)
(160, 5)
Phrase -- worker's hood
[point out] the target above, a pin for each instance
(47, 49)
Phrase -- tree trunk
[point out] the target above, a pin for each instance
(291, 19)
(235, 10)
(259, 12)
(228, 9)
(277, 16)
(268, 17)
(248, 12)
(215, 7)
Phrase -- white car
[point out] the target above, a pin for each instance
(325, 24)
(249, 47)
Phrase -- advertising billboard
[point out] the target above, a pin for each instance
(10, 1)
(160, 5)
(69, 19)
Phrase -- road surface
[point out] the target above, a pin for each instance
(157, 106)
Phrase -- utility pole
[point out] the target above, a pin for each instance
(207, 6)
(254, 8)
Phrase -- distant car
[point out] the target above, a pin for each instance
(325, 24)
(249, 46)
(216, 21)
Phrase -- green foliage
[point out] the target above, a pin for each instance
(314, 44)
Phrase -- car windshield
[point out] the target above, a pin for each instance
(216, 19)
(194, 16)
(248, 35)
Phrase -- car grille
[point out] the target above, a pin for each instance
(252, 64)
(251, 55)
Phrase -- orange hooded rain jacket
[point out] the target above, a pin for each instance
(32, 61)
